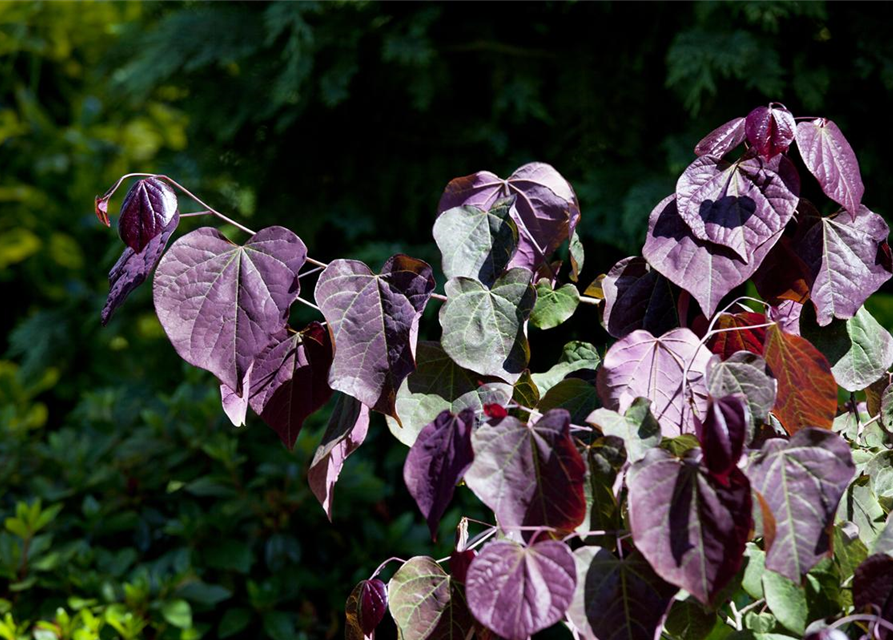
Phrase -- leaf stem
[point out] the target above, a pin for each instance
(589, 300)
(308, 303)
(862, 617)
(385, 563)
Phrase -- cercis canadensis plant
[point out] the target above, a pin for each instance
(725, 466)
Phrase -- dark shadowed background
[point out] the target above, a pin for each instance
(343, 122)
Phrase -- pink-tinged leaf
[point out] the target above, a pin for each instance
(132, 269)
(873, 589)
(770, 130)
(517, 591)
(787, 315)
(705, 270)
(529, 474)
(220, 303)
(637, 297)
(437, 461)
(365, 609)
(374, 321)
(807, 392)
(290, 380)
(625, 598)
(546, 208)
(740, 205)
(426, 603)
(801, 481)
(235, 406)
(345, 432)
(691, 528)
(741, 337)
(830, 158)
(744, 373)
(722, 139)
(641, 365)
(148, 208)
(101, 208)
(846, 260)
(722, 432)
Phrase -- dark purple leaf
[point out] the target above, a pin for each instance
(873, 588)
(705, 270)
(770, 130)
(626, 599)
(722, 432)
(459, 563)
(220, 303)
(783, 275)
(546, 208)
(437, 461)
(345, 432)
(374, 322)
(690, 527)
(741, 205)
(845, 259)
(427, 604)
(637, 297)
(517, 591)
(740, 337)
(641, 365)
(830, 158)
(132, 269)
(722, 139)
(529, 474)
(148, 209)
(290, 380)
(801, 480)
(787, 314)
(365, 608)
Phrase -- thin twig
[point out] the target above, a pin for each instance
(862, 617)
(308, 303)
(589, 300)
(385, 563)
(311, 272)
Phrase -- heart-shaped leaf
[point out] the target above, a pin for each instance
(638, 428)
(578, 397)
(220, 303)
(148, 209)
(740, 205)
(477, 243)
(637, 297)
(345, 432)
(873, 589)
(860, 350)
(734, 333)
(744, 373)
(625, 598)
(722, 139)
(517, 591)
(690, 527)
(641, 365)
(787, 601)
(132, 269)
(576, 356)
(483, 329)
(529, 474)
(365, 609)
(374, 322)
(801, 482)
(722, 432)
(553, 306)
(830, 158)
(546, 209)
(437, 461)
(426, 603)
(807, 392)
(770, 130)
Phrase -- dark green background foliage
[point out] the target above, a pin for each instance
(342, 121)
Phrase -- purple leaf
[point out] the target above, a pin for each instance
(873, 588)
(641, 365)
(744, 373)
(427, 603)
(374, 321)
(220, 303)
(690, 527)
(637, 297)
(722, 432)
(132, 269)
(770, 130)
(529, 474)
(235, 406)
(517, 591)
(147, 211)
(437, 461)
(365, 608)
(847, 260)
(739, 205)
(546, 208)
(626, 598)
(830, 158)
(800, 480)
(289, 380)
(345, 432)
(722, 139)
(708, 272)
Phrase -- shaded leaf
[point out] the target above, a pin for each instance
(722, 433)
(426, 603)
(576, 356)
(577, 255)
(884, 542)
(149, 208)
(860, 506)
(365, 608)
(525, 392)
(576, 612)
(722, 139)
(830, 158)
(553, 306)
(638, 428)
(637, 297)
(744, 372)
(787, 601)
(873, 588)
(578, 397)
(604, 459)
(770, 130)
(737, 334)
(783, 275)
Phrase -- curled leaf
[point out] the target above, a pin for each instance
(148, 208)
(722, 139)
(770, 130)
(365, 608)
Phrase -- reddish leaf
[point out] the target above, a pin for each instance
(722, 432)
(770, 129)
(807, 392)
(365, 608)
(830, 158)
(101, 208)
(722, 139)
(496, 411)
(783, 275)
(148, 208)
(744, 339)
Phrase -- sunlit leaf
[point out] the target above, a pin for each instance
(746, 373)
(576, 356)
(830, 158)
(426, 603)
(770, 130)
(553, 306)
(148, 210)
(722, 139)
(638, 428)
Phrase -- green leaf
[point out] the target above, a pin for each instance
(849, 551)
(17, 527)
(887, 408)
(46, 516)
(604, 459)
(577, 396)
(753, 572)
(880, 471)
(178, 613)
(279, 625)
(577, 255)
(426, 603)
(204, 593)
(786, 600)
(233, 622)
(229, 555)
(884, 541)
(483, 329)
(525, 392)
(553, 306)
(860, 506)
(638, 428)
(689, 620)
(823, 589)
(759, 622)
(575, 356)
